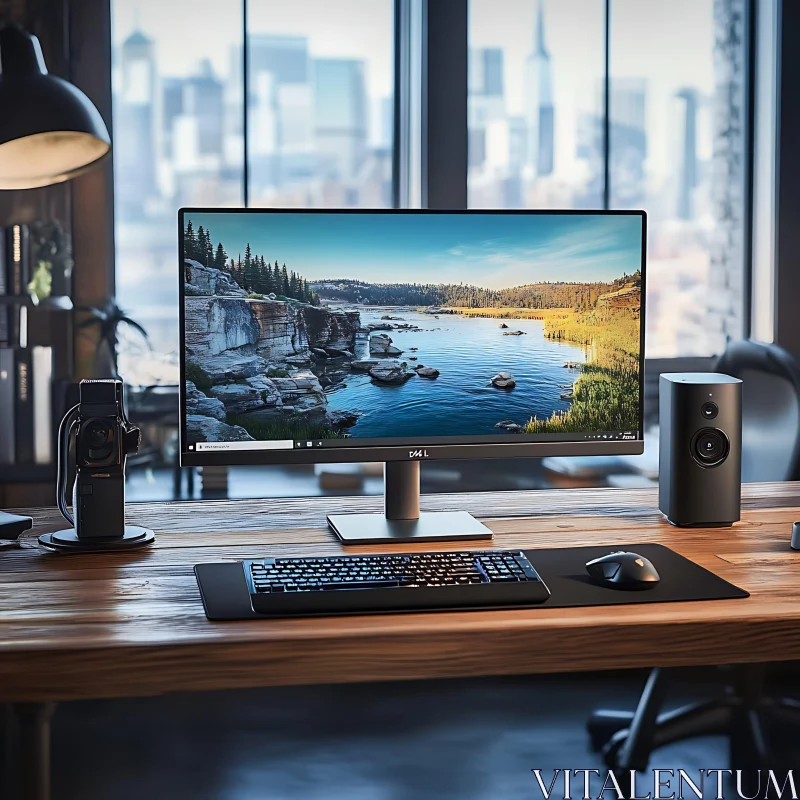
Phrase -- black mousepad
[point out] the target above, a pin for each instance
(563, 569)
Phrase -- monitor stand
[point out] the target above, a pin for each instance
(402, 520)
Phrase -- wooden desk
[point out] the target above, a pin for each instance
(74, 627)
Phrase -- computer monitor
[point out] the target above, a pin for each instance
(400, 336)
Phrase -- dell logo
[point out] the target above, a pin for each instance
(417, 453)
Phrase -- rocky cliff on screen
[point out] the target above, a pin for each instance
(259, 364)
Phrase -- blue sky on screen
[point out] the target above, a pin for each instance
(489, 250)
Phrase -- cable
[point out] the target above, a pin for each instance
(64, 432)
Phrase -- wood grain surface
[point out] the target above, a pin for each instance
(109, 625)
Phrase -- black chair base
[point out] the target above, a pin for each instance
(745, 715)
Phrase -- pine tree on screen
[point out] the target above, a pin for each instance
(269, 280)
(250, 270)
(189, 241)
(199, 245)
(262, 275)
(209, 259)
(220, 259)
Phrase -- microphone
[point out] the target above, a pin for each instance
(103, 440)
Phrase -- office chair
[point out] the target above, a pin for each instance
(745, 713)
(770, 409)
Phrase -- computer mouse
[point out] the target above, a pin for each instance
(624, 571)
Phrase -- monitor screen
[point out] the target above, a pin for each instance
(330, 330)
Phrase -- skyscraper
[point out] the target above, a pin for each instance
(285, 57)
(195, 106)
(687, 178)
(627, 145)
(340, 113)
(202, 100)
(279, 105)
(539, 113)
(135, 134)
(486, 102)
(171, 109)
(286, 61)
(486, 72)
(628, 141)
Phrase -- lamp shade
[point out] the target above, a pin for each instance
(49, 130)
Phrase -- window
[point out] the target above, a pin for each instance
(535, 78)
(677, 147)
(676, 138)
(321, 103)
(175, 143)
(319, 131)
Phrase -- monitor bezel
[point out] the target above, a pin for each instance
(413, 450)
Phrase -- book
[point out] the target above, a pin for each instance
(17, 258)
(42, 362)
(13, 325)
(7, 445)
(3, 259)
(23, 406)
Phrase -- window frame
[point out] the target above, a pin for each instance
(786, 275)
(438, 32)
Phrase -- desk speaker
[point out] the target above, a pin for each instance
(700, 450)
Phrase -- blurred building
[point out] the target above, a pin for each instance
(627, 145)
(192, 119)
(340, 114)
(485, 101)
(135, 126)
(540, 114)
(628, 142)
(280, 110)
(285, 60)
(688, 175)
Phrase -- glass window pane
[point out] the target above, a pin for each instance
(177, 141)
(677, 149)
(535, 103)
(320, 102)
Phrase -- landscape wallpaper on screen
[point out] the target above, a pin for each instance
(327, 326)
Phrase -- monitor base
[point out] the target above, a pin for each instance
(436, 526)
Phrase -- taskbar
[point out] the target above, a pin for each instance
(353, 441)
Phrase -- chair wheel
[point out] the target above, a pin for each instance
(602, 725)
(611, 750)
(611, 754)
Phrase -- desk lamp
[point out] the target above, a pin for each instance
(50, 131)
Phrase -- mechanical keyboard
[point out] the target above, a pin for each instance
(288, 587)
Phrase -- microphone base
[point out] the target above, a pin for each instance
(67, 541)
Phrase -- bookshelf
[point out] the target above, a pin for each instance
(35, 355)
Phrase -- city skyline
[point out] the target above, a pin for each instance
(510, 153)
(178, 138)
(211, 29)
(321, 121)
(309, 116)
(577, 56)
